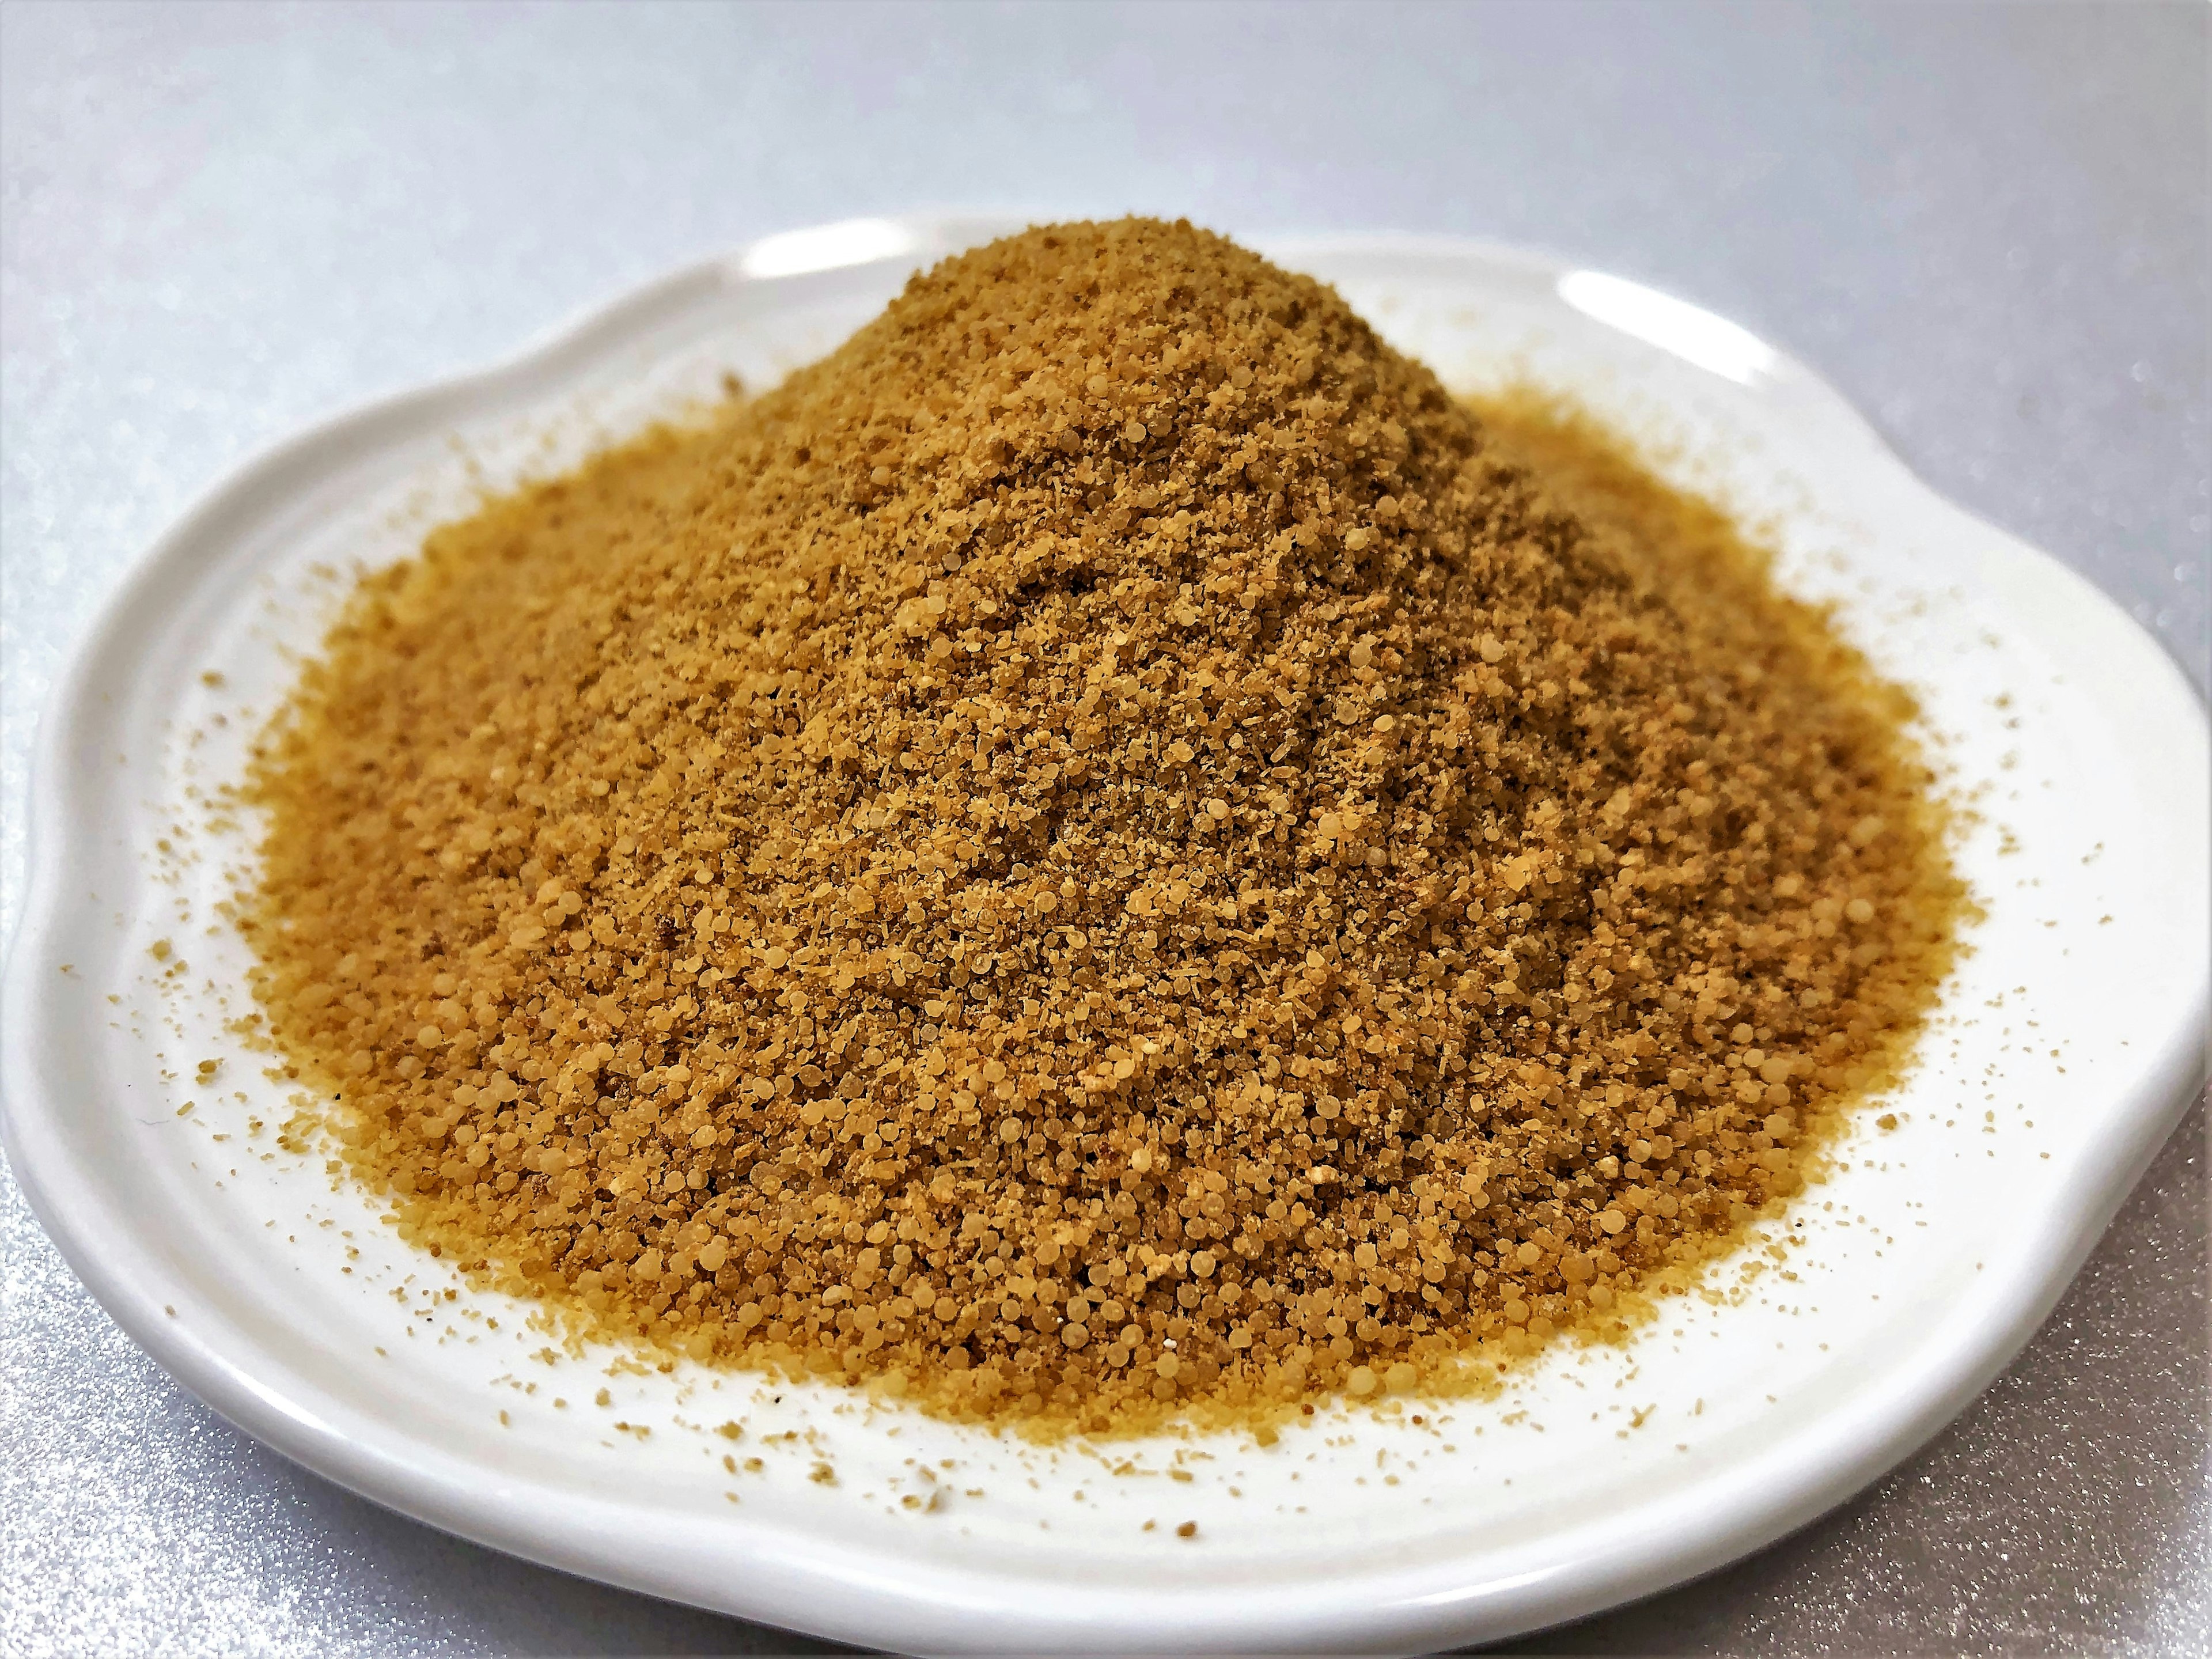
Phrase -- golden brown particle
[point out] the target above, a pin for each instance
(1106, 851)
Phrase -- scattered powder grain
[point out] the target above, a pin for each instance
(1104, 851)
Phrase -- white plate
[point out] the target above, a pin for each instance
(2069, 1043)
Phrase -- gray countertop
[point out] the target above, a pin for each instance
(1988, 225)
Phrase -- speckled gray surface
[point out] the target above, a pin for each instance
(1988, 225)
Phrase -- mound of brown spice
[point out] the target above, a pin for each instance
(1104, 851)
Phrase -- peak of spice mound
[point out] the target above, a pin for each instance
(1102, 853)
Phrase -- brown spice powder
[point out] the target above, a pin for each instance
(1105, 851)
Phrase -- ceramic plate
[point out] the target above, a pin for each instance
(1834, 1343)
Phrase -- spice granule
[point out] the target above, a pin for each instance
(1107, 852)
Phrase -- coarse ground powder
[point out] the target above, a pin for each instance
(1105, 853)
